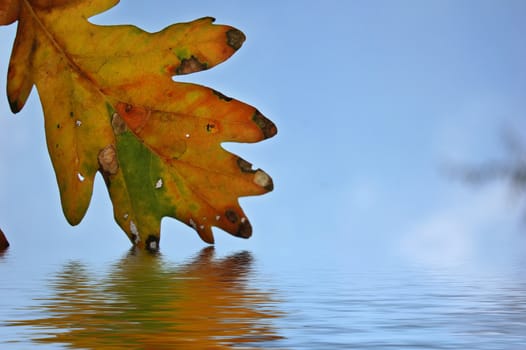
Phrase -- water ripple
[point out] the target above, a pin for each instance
(145, 301)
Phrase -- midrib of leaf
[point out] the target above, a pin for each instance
(59, 48)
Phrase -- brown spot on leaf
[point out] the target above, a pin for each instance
(262, 179)
(152, 244)
(212, 127)
(245, 166)
(190, 65)
(108, 160)
(221, 96)
(267, 127)
(231, 216)
(118, 124)
(235, 38)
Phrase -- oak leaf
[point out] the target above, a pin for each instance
(111, 106)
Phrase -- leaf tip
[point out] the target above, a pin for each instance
(243, 228)
(207, 238)
(262, 179)
(9, 11)
(15, 106)
(208, 19)
(268, 128)
(235, 38)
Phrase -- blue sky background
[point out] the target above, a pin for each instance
(372, 99)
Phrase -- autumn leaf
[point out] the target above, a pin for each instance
(111, 106)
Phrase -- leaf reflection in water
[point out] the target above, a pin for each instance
(145, 303)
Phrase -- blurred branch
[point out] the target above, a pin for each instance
(482, 174)
(511, 168)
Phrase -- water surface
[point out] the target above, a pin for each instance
(237, 300)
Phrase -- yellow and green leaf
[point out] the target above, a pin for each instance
(111, 106)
